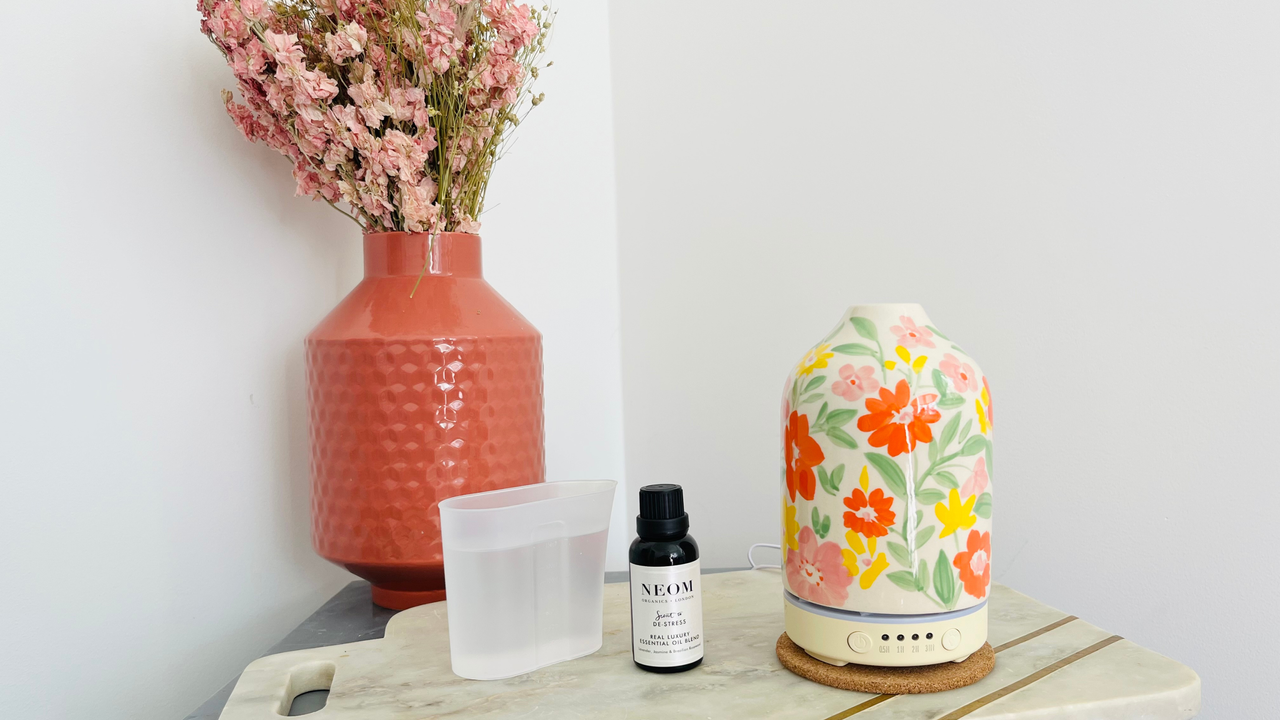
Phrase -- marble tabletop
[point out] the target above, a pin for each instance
(348, 616)
(1049, 665)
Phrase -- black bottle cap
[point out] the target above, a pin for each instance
(662, 514)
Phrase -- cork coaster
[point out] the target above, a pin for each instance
(887, 680)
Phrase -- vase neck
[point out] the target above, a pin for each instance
(888, 313)
(402, 253)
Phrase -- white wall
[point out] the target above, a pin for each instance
(551, 244)
(157, 277)
(1083, 194)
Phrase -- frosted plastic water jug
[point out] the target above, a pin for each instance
(524, 572)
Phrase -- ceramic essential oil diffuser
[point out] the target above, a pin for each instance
(886, 494)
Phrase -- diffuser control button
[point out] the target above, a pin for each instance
(860, 642)
(951, 639)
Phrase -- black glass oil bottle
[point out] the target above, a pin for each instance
(666, 586)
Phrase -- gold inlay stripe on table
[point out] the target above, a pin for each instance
(868, 704)
(1035, 633)
(1008, 689)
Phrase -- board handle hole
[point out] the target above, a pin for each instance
(308, 689)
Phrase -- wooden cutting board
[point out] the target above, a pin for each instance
(1049, 666)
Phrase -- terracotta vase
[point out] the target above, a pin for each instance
(414, 400)
(887, 468)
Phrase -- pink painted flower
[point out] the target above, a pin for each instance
(910, 336)
(854, 383)
(960, 374)
(977, 482)
(817, 572)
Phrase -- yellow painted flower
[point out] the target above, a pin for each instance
(955, 515)
(789, 528)
(855, 541)
(918, 365)
(903, 353)
(816, 359)
(877, 566)
(889, 364)
(985, 419)
(850, 559)
(862, 478)
(870, 566)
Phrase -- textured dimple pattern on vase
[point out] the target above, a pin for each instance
(398, 426)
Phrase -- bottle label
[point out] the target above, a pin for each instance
(666, 614)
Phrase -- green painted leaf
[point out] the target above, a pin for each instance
(903, 579)
(964, 432)
(930, 496)
(940, 382)
(923, 535)
(840, 418)
(982, 508)
(831, 482)
(934, 330)
(991, 465)
(950, 402)
(865, 328)
(815, 383)
(919, 517)
(822, 414)
(814, 520)
(946, 479)
(899, 553)
(957, 349)
(974, 445)
(811, 398)
(922, 576)
(949, 431)
(943, 583)
(890, 471)
(842, 438)
(935, 449)
(854, 349)
(826, 525)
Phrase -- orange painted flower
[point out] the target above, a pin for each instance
(974, 564)
(870, 516)
(897, 420)
(803, 455)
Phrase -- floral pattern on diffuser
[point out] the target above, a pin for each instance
(888, 399)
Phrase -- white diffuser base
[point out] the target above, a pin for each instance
(839, 637)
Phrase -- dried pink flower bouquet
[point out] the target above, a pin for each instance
(396, 107)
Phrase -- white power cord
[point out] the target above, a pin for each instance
(752, 560)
